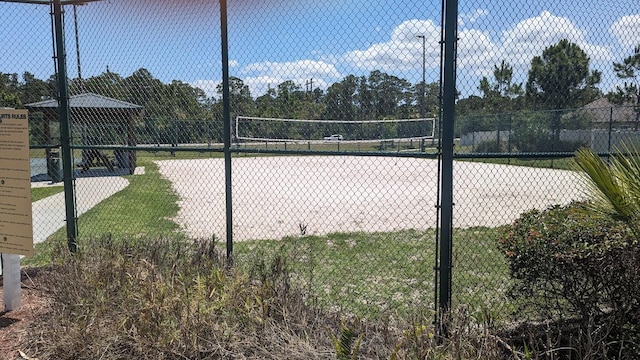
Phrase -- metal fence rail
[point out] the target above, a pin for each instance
(331, 164)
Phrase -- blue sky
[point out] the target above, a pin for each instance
(276, 40)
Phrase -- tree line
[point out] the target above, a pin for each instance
(559, 78)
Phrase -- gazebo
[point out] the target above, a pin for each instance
(97, 120)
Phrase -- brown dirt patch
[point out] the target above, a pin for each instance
(14, 325)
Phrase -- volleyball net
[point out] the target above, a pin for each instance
(258, 129)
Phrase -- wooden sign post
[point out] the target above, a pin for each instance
(16, 226)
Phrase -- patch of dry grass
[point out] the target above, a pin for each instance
(172, 299)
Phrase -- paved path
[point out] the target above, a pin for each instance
(49, 213)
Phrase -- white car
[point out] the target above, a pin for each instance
(334, 137)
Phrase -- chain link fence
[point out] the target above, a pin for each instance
(336, 120)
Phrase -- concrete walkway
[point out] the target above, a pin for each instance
(49, 214)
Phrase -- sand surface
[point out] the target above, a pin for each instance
(275, 197)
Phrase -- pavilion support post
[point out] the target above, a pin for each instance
(131, 141)
(46, 124)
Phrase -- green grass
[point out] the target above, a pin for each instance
(563, 163)
(481, 274)
(144, 208)
(144, 156)
(43, 192)
(370, 274)
(366, 273)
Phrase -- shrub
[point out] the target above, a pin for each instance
(492, 146)
(568, 264)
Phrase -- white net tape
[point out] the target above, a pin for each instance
(249, 128)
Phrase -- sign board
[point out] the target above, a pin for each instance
(16, 225)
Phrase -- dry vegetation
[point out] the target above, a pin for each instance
(15, 325)
(168, 299)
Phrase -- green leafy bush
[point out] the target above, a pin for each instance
(569, 264)
(492, 146)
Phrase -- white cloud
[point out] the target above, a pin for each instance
(260, 84)
(627, 31)
(259, 76)
(478, 52)
(530, 37)
(294, 69)
(403, 51)
(208, 86)
(471, 18)
(232, 63)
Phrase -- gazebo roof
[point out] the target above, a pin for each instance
(86, 101)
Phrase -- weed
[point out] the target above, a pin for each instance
(346, 342)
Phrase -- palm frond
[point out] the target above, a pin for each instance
(614, 188)
(603, 183)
